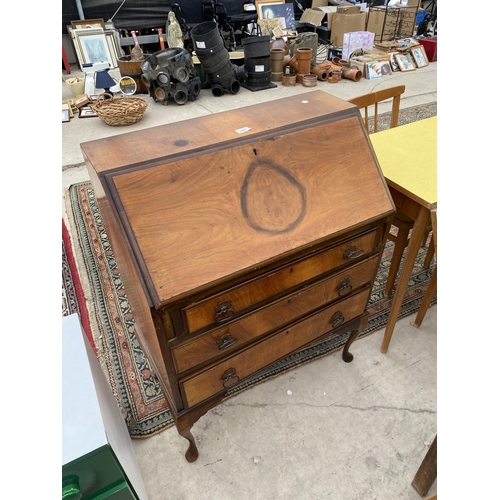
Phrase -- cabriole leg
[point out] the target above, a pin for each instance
(184, 429)
(346, 355)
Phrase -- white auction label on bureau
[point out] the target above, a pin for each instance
(242, 130)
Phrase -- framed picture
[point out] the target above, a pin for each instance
(406, 43)
(281, 11)
(264, 9)
(111, 41)
(386, 45)
(88, 23)
(65, 115)
(75, 37)
(278, 32)
(394, 63)
(69, 105)
(94, 48)
(86, 112)
(269, 25)
(420, 56)
(404, 62)
(377, 69)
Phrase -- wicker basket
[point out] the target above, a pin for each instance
(120, 111)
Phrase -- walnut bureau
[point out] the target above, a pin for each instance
(241, 237)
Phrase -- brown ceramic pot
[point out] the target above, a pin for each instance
(309, 80)
(289, 80)
(320, 71)
(335, 76)
(351, 74)
(277, 57)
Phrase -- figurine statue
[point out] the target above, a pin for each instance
(174, 32)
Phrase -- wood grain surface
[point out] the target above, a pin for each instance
(199, 220)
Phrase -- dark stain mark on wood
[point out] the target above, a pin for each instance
(272, 200)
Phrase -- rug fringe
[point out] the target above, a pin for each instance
(82, 302)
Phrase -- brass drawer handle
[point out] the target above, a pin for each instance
(353, 253)
(229, 375)
(226, 341)
(344, 287)
(223, 311)
(337, 319)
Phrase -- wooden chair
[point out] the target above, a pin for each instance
(403, 223)
(374, 98)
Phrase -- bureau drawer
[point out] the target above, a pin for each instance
(222, 376)
(231, 336)
(229, 304)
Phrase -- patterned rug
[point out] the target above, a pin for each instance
(408, 115)
(73, 298)
(137, 392)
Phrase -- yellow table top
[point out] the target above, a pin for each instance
(408, 158)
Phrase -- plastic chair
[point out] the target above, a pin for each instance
(403, 223)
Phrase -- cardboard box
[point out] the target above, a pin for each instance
(379, 55)
(360, 62)
(317, 15)
(348, 9)
(369, 56)
(390, 23)
(81, 100)
(375, 22)
(339, 19)
(345, 23)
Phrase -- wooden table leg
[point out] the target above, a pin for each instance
(426, 301)
(432, 287)
(406, 271)
(427, 472)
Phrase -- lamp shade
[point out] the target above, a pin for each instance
(103, 80)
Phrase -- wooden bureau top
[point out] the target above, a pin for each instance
(200, 201)
(191, 135)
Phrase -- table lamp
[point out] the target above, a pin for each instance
(104, 81)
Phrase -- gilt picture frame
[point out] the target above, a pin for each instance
(261, 5)
(95, 48)
(88, 23)
(419, 56)
(405, 62)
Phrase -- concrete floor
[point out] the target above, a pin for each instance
(325, 430)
